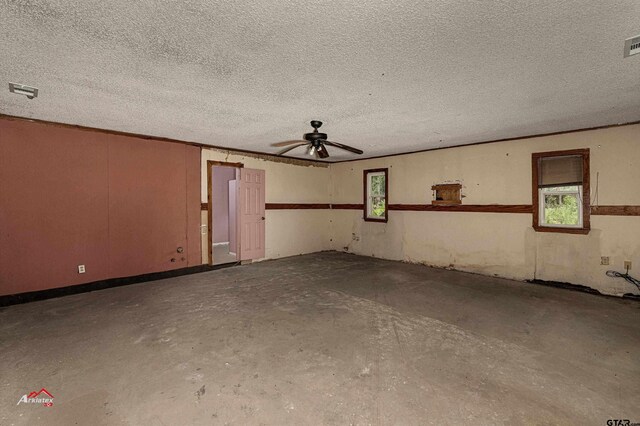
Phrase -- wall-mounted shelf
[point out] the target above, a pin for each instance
(447, 194)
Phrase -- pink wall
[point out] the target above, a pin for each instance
(119, 205)
(220, 202)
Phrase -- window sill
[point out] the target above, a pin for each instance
(583, 231)
(446, 202)
(369, 219)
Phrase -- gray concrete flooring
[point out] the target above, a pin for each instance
(327, 338)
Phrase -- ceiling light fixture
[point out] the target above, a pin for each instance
(21, 89)
(632, 46)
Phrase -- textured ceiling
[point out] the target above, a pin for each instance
(384, 76)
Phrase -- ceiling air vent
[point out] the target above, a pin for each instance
(21, 89)
(632, 46)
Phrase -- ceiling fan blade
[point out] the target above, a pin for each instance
(285, 143)
(345, 147)
(284, 151)
(322, 151)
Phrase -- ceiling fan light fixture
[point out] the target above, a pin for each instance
(312, 150)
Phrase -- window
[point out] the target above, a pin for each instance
(376, 186)
(561, 191)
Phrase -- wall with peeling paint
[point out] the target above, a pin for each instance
(288, 232)
(501, 244)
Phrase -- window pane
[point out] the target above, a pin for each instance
(377, 185)
(561, 209)
(377, 207)
(551, 201)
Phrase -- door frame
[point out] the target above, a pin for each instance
(210, 164)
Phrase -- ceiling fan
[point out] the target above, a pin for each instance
(316, 142)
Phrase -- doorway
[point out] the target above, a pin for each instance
(223, 212)
(236, 213)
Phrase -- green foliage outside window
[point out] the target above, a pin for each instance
(561, 209)
(377, 194)
(377, 206)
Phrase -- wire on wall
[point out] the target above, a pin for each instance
(626, 276)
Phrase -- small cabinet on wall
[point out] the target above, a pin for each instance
(446, 194)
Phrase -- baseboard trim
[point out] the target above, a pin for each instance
(33, 296)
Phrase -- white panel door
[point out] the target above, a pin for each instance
(252, 223)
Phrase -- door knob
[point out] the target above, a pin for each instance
(262, 217)
(180, 250)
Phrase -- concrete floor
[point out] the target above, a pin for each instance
(326, 338)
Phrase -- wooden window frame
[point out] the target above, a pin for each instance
(365, 174)
(586, 192)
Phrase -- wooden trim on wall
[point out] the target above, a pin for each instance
(386, 194)
(224, 164)
(621, 210)
(534, 189)
(536, 135)
(347, 206)
(32, 296)
(615, 210)
(210, 164)
(270, 156)
(298, 206)
(559, 230)
(586, 191)
(476, 208)
(316, 162)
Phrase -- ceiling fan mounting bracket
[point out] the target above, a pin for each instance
(316, 124)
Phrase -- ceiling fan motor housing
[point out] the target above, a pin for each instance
(315, 136)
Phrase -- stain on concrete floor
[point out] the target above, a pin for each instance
(326, 338)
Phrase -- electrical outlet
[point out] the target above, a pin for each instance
(627, 264)
(81, 269)
(604, 260)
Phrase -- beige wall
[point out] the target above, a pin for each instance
(498, 243)
(288, 232)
